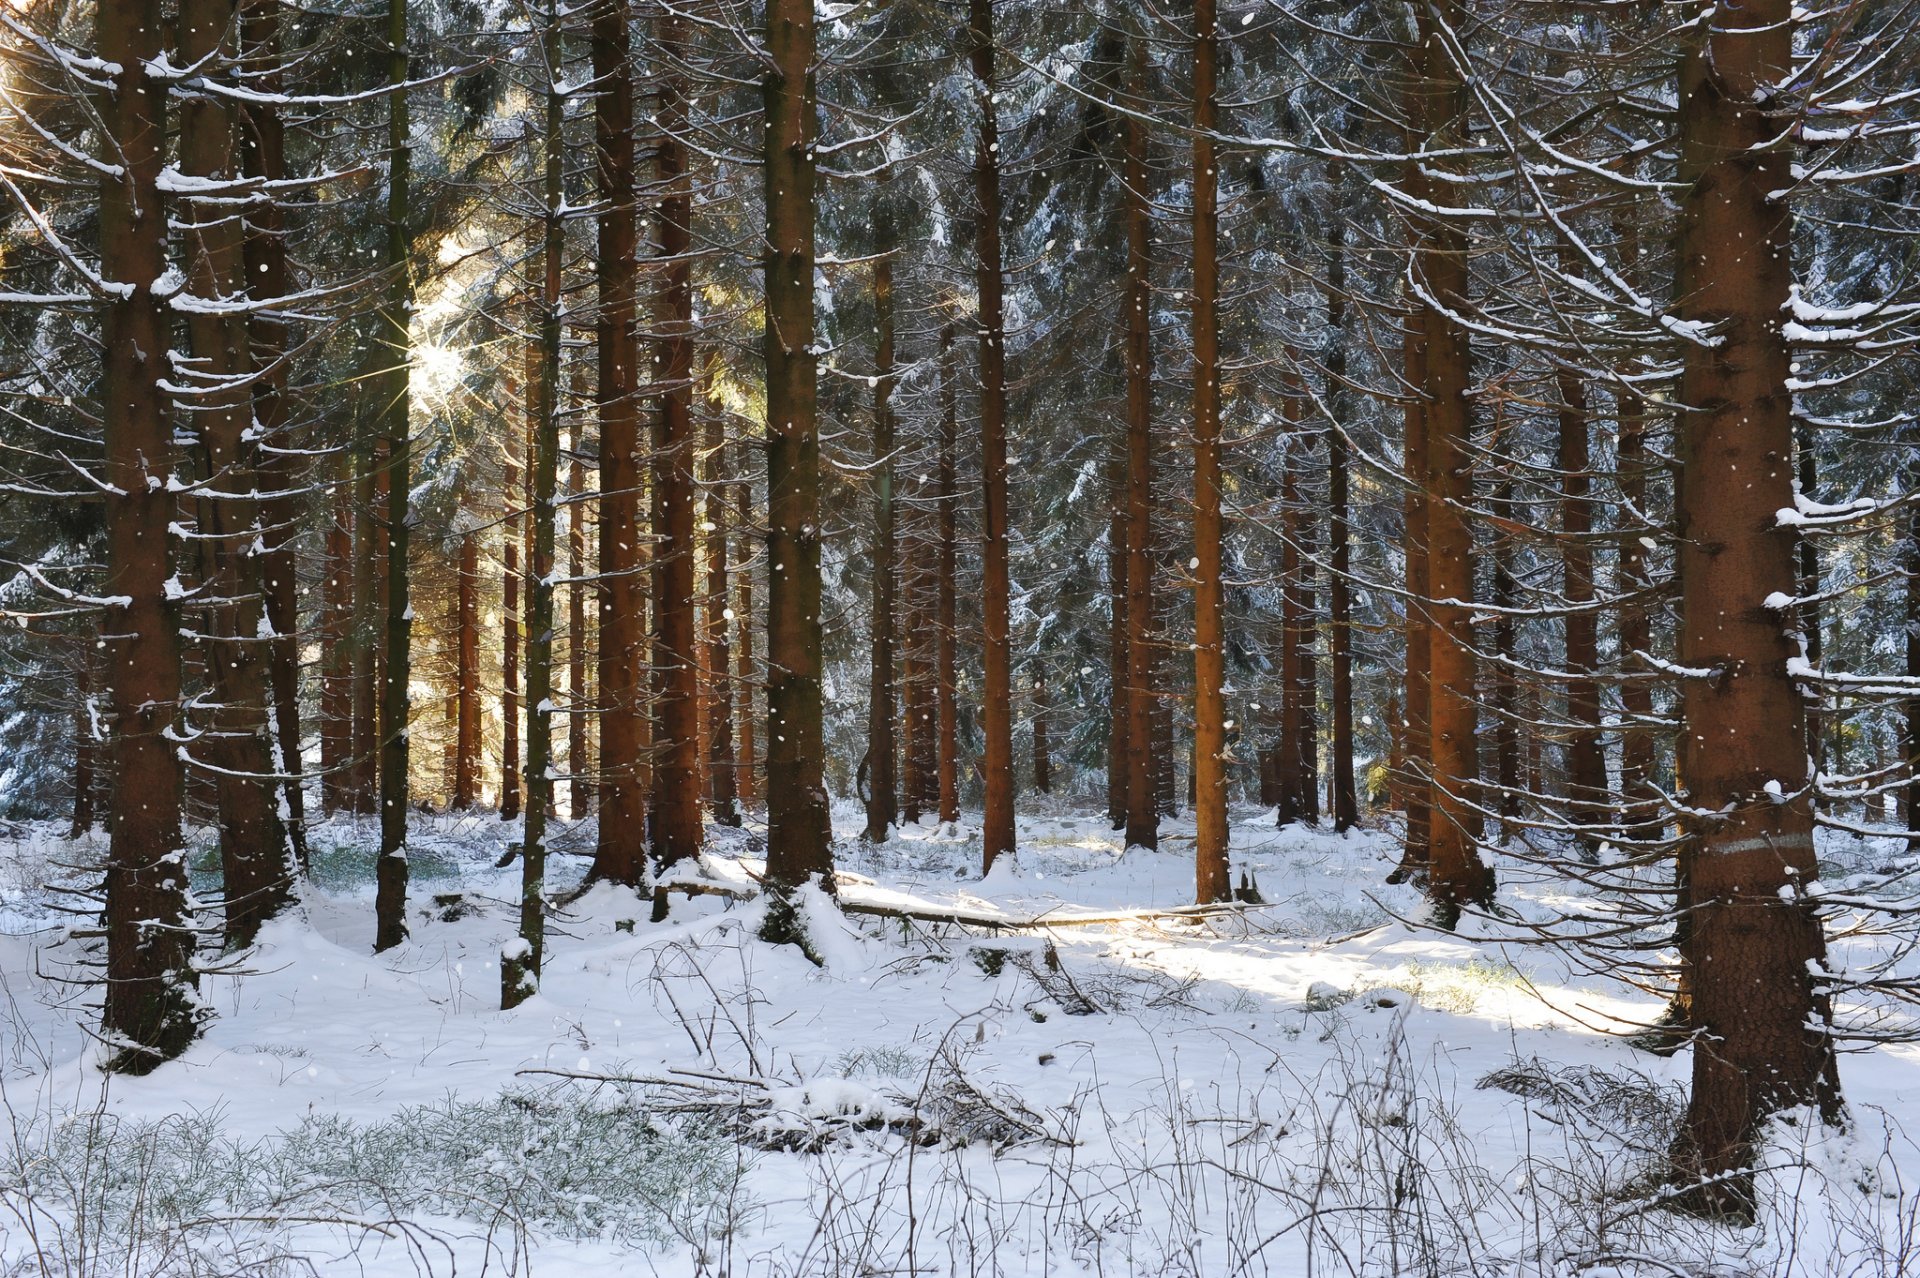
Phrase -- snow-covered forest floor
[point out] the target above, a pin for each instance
(1314, 1087)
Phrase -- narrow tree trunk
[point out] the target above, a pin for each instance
(1042, 748)
(1212, 879)
(619, 853)
(152, 1007)
(1415, 774)
(1119, 703)
(1307, 667)
(1911, 794)
(1506, 688)
(580, 784)
(677, 824)
(1807, 616)
(883, 801)
(798, 834)
(237, 739)
(746, 781)
(390, 899)
(1642, 803)
(1753, 953)
(1289, 776)
(466, 749)
(996, 709)
(369, 553)
(1143, 780)
(1346, 804)
(1589, 801)
(83, 715)
(521, 960)
(263, 156)
(722, 788)
(916, 689)
(1456, 875)
(336, 656)
(511, 487)
(944, 677)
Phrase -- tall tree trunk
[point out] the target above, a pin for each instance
(1642, 803)
(721, 785)
(238, 739)
(580, 785)
(1589, 800)
(521, 960)
(996, 709)
(1807, 617)
(1457, 877)
(746, 782)
(1506, 684)
(1754, 951)
(1212, 879)
(512, 488)
(620, 850)
(83, 718)
(263, 156)
(1911, 563)
(883, 800)
(677, 823)
(1143, 780)
(1119, 704)
(1346, 803)
(1415, 775)
(336, 655)
(390, 898)
(947, 637)
(466, 748)
(798, 834)
(916, 687)
(676, 789)
(1289, 775)
(1042, 748)
(1306, 668)
(369, 553)
(152, 1006)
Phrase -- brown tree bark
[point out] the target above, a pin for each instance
(1589, 801)
(1642, 804)
(1415, 774)
(798, 834)
(747, 782)
(1911, 562)
(1457, 877)
(1289, 772)
(1346, 803)
(620, 850)
(1143, 780)
(152, 1007)
(336, 656)
(512, 496)
(677, 828)
(1119, 704)
(947, 637)
(1212, 877)
(580, 779)
(236, 741)
(263, 156)
(883, 800)
(722, 788)
(395, 329)
(521, 961)
(83, 752)
(1753, 952)
(996, 708)
(1042, 748)
(466, 736)
(1506, 700)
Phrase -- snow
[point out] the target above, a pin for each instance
(1250, 1095)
